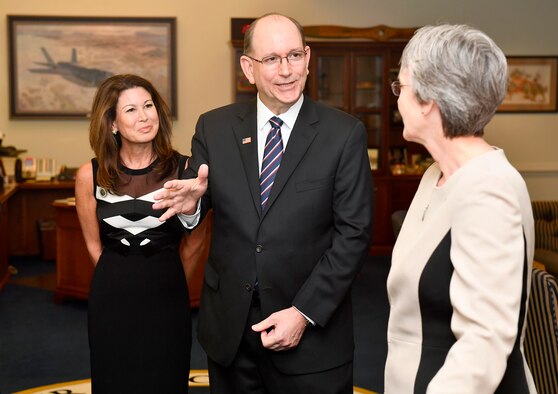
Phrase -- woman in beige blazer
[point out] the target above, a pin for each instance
(459, 282)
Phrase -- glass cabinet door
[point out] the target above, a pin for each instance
(368, 82)
(368, 95)
(373, 124)
(331, 81)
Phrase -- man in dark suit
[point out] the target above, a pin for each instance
(275, 313)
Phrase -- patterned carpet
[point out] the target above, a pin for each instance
(199, 384)
(44, 349)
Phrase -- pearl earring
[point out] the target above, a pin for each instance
(114, 132)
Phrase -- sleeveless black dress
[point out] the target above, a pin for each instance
(139, 312)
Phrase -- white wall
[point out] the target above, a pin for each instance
(205, 64)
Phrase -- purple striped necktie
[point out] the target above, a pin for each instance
(271, 160)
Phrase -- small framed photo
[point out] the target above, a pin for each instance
(532, 84)
(57, 63)
(373, 155)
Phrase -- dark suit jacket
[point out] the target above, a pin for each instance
(305, 248)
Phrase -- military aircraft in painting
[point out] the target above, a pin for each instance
(72, 71)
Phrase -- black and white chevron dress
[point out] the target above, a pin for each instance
(139, 313)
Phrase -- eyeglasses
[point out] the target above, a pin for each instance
(274, 61)
(396, 87)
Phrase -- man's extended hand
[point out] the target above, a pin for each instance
(282, 330)
(181, 195)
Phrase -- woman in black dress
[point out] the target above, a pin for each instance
(139, 313)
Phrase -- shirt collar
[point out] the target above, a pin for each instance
(288, 117)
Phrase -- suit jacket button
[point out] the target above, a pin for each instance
(248, 286)
(259, 248)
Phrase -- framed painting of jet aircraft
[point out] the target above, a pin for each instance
(57, 63)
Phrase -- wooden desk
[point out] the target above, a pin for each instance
(22, 206)
(5, 198)
(74, 269)
(31, 204)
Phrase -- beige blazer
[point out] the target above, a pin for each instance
(458, 286)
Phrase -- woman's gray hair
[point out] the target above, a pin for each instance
(462, 70)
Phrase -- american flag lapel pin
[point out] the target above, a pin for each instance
(246, 140)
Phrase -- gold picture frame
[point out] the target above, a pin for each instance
(56, 63)
(532, 84)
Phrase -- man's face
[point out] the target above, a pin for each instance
(279, 86)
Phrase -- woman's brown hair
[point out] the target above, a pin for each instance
(106, 145)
